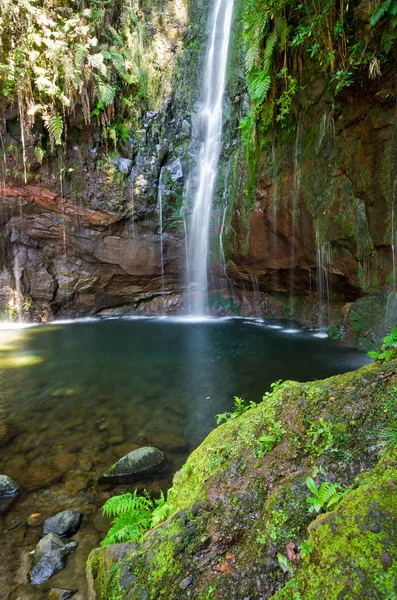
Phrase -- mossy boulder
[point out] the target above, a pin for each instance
(240, 499)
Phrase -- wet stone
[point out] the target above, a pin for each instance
(386, 560)
(8, 487)
(39, 476)
(184, 584)
(138, 462)
(64, 524)
(60, 594)
(51, 541)
(51, 563)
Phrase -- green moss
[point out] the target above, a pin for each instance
(354, 547)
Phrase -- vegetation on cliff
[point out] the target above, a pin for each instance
(289, 44)
(241, 523)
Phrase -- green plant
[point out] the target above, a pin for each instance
(284, 564)
(388, 439)
(241, 406)
(305, 549)
(325, 496)
(388, 350)
(320, 437)
(133, 516)
(267, 441)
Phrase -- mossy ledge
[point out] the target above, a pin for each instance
(235, 507)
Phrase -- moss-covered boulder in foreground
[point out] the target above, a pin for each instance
(240, 500)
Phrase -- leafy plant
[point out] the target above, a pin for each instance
(267, 441)
(133, 516)
(388, 350)
(388, 439)
(241, 406)
(305, 549)
(320, 437)
(325, 496)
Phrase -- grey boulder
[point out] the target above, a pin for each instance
(142, 461)
(64, 524)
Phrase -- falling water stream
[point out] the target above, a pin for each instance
(208, 131)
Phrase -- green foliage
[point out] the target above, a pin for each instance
(133, 516)
(288, 43)
(325, 496)
(386, 10)
(388, 439)
(319, 437)
(240, 405)
(305, 549)
(58, 56)
(388, 349)
(267, 441)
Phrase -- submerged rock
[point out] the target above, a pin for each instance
(142, 461)
(8, 487)
(51, 541)
(51, 563)
(60, 594)
(64, 524)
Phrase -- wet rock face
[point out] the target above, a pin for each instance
(64, 524)
(60, 594)
(49, 542)
(110, 261)
(143, 461)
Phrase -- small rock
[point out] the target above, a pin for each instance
(141, 461)
(51, 563)
(184, 584)
(124, 165)
(386, 560)
(169, 442)
(8, 487)
(59, 594)
(35, 519)
(64, 524)
(51, 541)
(65, 462)
(122, 449)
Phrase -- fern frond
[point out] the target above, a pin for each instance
(54, 126)
(258, 86)
(105, 92)
(80, 54)
(251, 57)
(380, 12)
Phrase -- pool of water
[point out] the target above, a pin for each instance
(82, 394)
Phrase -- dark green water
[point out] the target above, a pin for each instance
(83, 394)
(154, 375)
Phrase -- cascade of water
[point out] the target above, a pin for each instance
(160, 203)
(295, 201)
(323, 260)
(208, 130)
(394, 234)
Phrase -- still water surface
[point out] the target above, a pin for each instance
(82, 394)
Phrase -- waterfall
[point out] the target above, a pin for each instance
(323, 259)
(208, 132)
(160, 203)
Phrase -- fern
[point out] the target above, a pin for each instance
(251, 58)
(105, 92)
(258, 86)
(81, 53)
(389, 6)
(269, 50)
(326, 495)
(54, 127)
(39, 154)
(133, 516)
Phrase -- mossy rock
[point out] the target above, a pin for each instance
(355, 546)
(234, 506)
